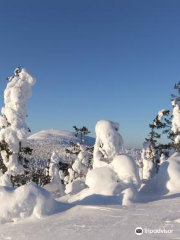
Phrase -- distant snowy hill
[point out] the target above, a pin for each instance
(55, 136)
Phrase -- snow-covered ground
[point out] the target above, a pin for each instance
(102, 222)
(114, 202)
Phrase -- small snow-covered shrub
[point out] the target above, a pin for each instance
(148, 165)
(55, 186)
(79, 169)
(82, 162)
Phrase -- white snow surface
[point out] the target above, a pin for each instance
(101, 221)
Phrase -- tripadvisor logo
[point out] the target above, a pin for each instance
(138, 231)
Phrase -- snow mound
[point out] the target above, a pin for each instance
(129, 196)
(102, 181)
(25, 201)
(58, 136)
(120, 174)
(169, 175)
(127, 171)
(75, 187)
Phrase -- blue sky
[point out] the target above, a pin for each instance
(98, 59)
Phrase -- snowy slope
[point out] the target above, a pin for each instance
(55, 136)
(101, 222)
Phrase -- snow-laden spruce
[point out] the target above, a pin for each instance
(55, 186)
(176, 121)
(146, 158)
(108, 143)
(81, 163)
(14, 131)
(77, 175)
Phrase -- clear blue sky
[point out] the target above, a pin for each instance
(93, 59)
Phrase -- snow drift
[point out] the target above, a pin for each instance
(25, 201)
(169, 175)
(125, 168)
(102, 181)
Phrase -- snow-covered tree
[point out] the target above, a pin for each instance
(176, 118)
(14, 131)
(162, 158)
(72, 151)
(79, 169)
(149, 161)
(163, 123)
(108, 143)
(82, 163)
(3, 168)
(81, 132)
(55, 173)
(152, 150)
